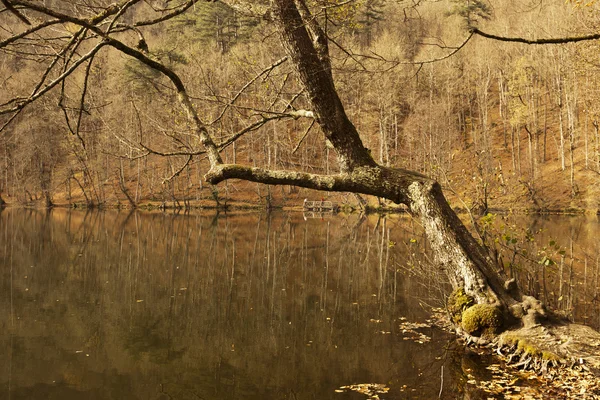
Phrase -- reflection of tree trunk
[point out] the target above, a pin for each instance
(512, 148)
(362, 203)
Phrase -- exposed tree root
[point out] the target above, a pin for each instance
(564, 356)
(542, 347)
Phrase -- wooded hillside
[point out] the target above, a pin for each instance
(498, 124)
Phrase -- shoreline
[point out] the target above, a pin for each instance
(244, 206)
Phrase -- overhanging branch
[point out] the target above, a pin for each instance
(224, 172)
(563, 40)
(390, 183)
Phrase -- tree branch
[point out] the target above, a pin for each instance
(250, 82)
(19, 103)
(29, 31)
(562, 40)
(16, 13)
(391, 183)
(184, 99)
(273, 177)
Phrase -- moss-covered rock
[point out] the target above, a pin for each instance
(482, 319)
(458, 302)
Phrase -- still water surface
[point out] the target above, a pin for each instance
(119, 305)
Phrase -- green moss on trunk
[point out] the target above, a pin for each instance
(458, 302)
(482, 319)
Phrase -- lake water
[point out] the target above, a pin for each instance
(120, 305)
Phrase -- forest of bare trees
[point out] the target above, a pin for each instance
(499, 125)
(186, 101)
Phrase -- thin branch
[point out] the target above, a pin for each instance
(74, 43)
(225, 143)
(171, 154)
(22, 102)
(562, 40)
(279, 92)
(351, 55)
(422, 62)
(183, 8)
(16, 13)
(119, 13)
(303, 136)
(82, 100)
(179, 171)
(29, 31)
(250, 82)
(12, 117)
(252, 127)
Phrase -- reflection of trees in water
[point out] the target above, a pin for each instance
(234, 305)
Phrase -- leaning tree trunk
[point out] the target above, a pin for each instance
(483, 301)
(463, 259)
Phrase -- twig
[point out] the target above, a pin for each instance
(441, 383)
(250, 82)
(303, 136)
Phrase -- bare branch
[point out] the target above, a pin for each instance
(562, 40)
(303, 137)
(16, 13)
(250, 82)
(19, 103)
(179, 171)
(183, 8)
(29, 31)
(183, 97)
